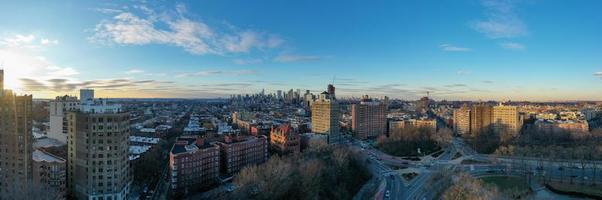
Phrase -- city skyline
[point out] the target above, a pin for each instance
(469, 50)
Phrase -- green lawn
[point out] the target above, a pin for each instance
(507, 183)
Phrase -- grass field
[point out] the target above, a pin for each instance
(507, 183)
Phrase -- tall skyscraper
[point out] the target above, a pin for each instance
(369, 118)
(325, 117)
(15, 144)
(462, 120)
(98, 164)
(331, 91)
(58, 110)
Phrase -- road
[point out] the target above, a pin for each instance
(425, 185)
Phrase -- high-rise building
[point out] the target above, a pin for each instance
(58, 123)
(49, 175)
(237, 152)
(505, 119)
(369, 118)
(423, 104)
(98, 165)
(15, 144)
(331, 90)
(462, 120)
(193, 164)
(285, 139)
(325, 117)
(481, 116)
(86, 96)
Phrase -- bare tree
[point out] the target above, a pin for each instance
(469, 188)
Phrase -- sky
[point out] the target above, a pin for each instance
(531, 50)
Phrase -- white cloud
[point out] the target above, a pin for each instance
(598, 74)
(46, 41)
(194, 36)
(295, 58)
(502, 20)
(449, 47)
(21, 62)
(19, 39)
(134, 71)
(513, 46)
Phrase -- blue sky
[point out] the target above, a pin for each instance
(466, 50)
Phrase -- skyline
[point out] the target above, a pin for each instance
(470, 50)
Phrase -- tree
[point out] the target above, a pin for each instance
(466, 187)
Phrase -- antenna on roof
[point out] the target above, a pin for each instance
(427, 94)
(333, 78)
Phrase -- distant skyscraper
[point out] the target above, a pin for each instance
(279, 92)
(58, 110)
(325, 117)
(98, 163)
(369, 118)
(15, 144)
(331, 91)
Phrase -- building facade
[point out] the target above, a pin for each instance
(462, 120)
(480, 119)
(398, 125)
(58, 123)
(325, 117)
(15, 144)
(98, 165)
(368, 118)
(284, 139)
(506, 119)
(237, 152)
(49, 175)
(193, 164)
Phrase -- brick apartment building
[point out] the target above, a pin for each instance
(237, 152)
(193, 164)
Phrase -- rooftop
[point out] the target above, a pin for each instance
(41, 156)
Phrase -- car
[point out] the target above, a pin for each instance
(387, 194)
